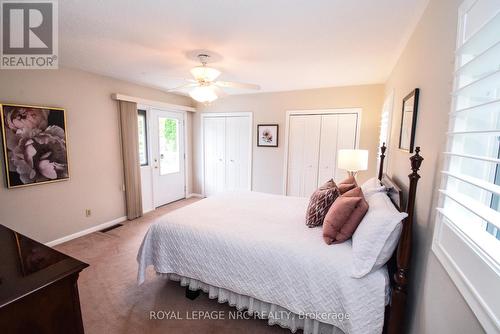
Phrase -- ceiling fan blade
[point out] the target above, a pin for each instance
(231, 84)
(219, 91)
(183, 86)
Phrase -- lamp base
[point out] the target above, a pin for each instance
(352, 173)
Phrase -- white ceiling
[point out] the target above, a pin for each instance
(278, 44)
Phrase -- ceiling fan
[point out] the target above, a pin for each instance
(205, 86)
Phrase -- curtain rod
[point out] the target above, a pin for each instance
(152, 103)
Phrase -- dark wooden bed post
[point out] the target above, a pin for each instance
(381, 166)
(399, 289)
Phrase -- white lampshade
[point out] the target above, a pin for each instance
(204, 94)
(205, 73)
(352, 160)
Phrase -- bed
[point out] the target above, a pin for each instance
(254, 251)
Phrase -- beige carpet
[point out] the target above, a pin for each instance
(112, 302)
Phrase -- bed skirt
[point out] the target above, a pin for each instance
(275, 315)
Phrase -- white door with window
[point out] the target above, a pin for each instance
(168, 158)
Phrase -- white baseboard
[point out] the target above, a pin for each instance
(85, 232)
(195, 195)
(148, 210)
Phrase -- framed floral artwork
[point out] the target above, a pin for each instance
(34, 144)
(267, 135)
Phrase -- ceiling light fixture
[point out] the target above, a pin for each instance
(205, 87)
(203, 94)
(204, 73)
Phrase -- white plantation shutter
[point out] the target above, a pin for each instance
(385, 119)
(467, 235)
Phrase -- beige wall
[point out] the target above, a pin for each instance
(267, 170)
(436, 306)
(51, 211)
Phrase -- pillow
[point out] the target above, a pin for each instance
(344, 216)
(376, 236)
(347, 184)
(350, 179)
(371, 187)
(328, 184)
(345, 187)
(320, 202)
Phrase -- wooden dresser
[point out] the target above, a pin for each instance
(38, 287)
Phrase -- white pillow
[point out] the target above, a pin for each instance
(371, 187)
(377, 235)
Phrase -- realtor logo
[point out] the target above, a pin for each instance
(29, 35)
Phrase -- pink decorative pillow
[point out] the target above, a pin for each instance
(344, 216)
(320, 202)
(347, 184)
(345, 187)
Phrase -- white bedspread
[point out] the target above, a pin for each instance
(258, 245)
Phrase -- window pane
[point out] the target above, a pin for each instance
(471, 167)
(479, 13)
(385, 119)
(143, 145)
(169, 145)
(484, 145)
(478, 119)
(495, 201)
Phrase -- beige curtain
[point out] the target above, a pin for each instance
(130, 152)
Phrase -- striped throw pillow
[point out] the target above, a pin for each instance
(319, 204)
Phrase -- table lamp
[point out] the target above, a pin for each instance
(352, 161)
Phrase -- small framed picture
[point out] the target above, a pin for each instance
(267, 135)
(409, 121)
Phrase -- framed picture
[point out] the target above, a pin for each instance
(409, 121)
(34, 144)
(267, 135)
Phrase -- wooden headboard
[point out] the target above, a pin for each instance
(393, 191)
(399, 264)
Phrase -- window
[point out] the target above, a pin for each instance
(495, 200)
(168, 132)
(385, 121)
(467, 238)
(143, 137)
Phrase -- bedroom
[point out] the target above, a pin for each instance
(332, 76)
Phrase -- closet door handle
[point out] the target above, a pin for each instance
(231, 160)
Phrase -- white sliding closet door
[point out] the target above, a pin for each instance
(227, 148)
(237, 157)
(346, 139)
(328, 148)
(313, 142)
(214, 154)
(303, 153)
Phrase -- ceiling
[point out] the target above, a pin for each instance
(278, 44)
